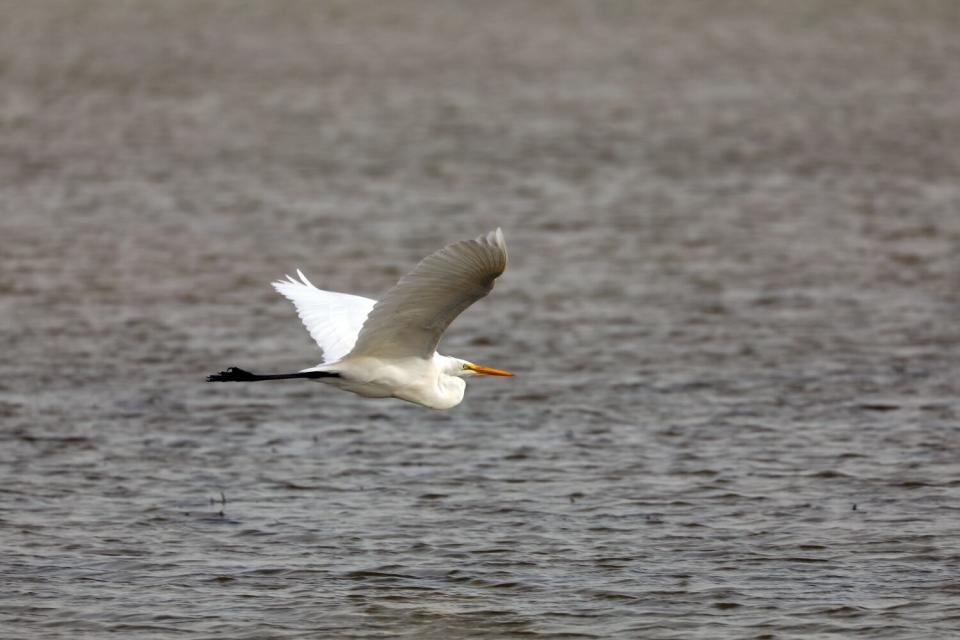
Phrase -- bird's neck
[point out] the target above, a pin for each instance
(450, 390)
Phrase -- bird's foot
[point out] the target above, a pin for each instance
(233, 374)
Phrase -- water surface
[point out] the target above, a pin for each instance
(732, 307)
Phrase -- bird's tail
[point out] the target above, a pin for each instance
(235, 374)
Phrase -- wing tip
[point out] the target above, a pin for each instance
(281, 284)
(496, 239)
(304, 279)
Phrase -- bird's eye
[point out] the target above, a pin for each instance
(465, 366)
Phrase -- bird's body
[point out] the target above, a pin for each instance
(422, 381)
(387, 349)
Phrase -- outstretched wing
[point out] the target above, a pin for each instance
(333, 319)
(412, 316)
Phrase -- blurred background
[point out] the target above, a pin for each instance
(732, 304)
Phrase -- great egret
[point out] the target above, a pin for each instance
(388, 349)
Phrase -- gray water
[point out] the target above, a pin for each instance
(732, 307)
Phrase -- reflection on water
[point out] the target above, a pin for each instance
(731, 307)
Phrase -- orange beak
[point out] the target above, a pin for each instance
(487, 371)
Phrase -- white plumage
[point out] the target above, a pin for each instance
(333, 319)
(388, 348)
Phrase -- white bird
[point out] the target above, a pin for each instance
(388, 349)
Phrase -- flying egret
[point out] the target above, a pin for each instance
(388, 349)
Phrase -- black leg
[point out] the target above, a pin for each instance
(235, 374)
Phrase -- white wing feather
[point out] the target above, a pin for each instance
(333, 319)
(412, 316)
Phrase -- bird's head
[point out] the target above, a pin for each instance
(465, 369)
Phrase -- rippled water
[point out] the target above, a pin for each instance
(732, 306)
